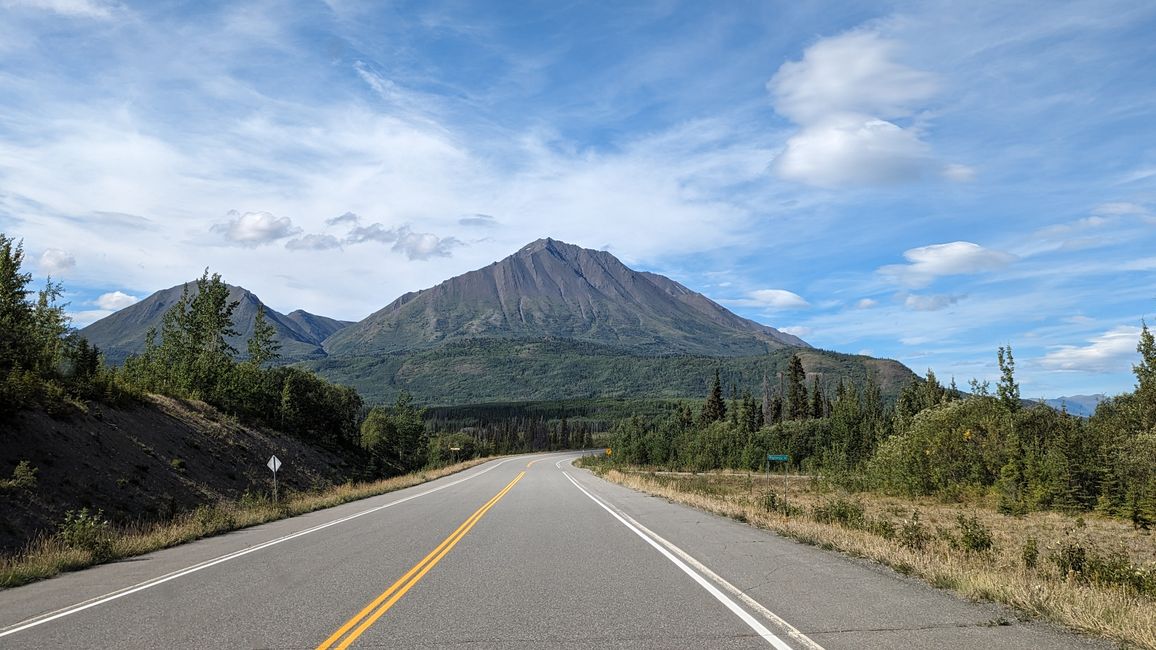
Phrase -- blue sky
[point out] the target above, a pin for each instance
(925, 182)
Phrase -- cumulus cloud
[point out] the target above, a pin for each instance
(347, 218)
(930, 303)
(313, 243)
(415, 245)
(1112, 351)
(850, 73)
(853, 150)
(54, 261)
(771, 299)
(374, 232)
(255, 228)
(954, 258)
(847, 93)
(115, 300)
(75, 8)
(423, 245)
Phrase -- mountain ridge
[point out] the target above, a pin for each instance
(123, 332)
(551, 288)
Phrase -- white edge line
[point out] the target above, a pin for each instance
(152, 582)
(655, 540)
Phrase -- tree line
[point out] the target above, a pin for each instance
(934, 440)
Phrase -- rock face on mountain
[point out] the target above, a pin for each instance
(551, 289)
(124, 332)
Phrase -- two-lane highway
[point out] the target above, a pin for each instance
(524, 551)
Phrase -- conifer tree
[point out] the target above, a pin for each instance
(817, 400)
(715, 409)
(797, 406)
(263, 345)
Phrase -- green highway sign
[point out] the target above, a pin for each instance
(782, 458)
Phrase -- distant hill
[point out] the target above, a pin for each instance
(551, 289)
(1081, 405)
(473, 371)
(124, 332)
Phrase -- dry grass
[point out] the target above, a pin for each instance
(50, 555)
(999, 574)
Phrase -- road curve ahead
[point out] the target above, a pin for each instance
(525, 551)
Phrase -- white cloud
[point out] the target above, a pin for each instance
(115, 300)
(850, 73)
(930, 303)
(866, 303)
(255, 228)
(415, 245)
(54, 261)
(374, 232)
(954, 258)
(1112, 351)
(423, 245)
(799, 331)
(846, 94)
(771, 299)
(87, 317)
(313, 243)
(853, 150)
(76, 8)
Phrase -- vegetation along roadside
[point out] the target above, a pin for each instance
(86, 538)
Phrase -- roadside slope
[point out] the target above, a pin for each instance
(145, 462)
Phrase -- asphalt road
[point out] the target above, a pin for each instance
(522, 552)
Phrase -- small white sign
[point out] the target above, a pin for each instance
(274, 463)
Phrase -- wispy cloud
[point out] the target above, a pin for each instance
(1112, 351)
(313, 243)
(478, 221)
(930, 303)
(76, 8)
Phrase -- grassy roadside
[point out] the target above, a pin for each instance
(86, 539)
(1091, 574)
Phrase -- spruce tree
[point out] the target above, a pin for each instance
(797, 406)
(714, 409)
(817, 400)
(263, 345)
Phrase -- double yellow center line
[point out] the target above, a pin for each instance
(343, 637)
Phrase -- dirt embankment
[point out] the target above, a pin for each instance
(145, 462)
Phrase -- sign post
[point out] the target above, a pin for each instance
(274, 464)
(779, 458)
(455, 455)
